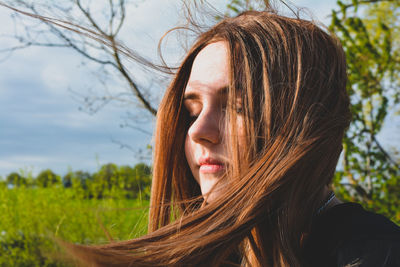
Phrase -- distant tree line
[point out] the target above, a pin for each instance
(109, 180)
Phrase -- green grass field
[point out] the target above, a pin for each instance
(30, 216)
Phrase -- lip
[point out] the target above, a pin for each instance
(210, 165)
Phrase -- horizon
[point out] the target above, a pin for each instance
(42, 121)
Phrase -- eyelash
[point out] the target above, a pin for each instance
(192, 118)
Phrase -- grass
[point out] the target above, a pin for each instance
(30, 216)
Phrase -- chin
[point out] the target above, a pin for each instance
(209, 198)
(209, 193)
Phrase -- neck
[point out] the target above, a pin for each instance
(335, 201)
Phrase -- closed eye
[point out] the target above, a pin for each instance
(193, 108)
(193, 118)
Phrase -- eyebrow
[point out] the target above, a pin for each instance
(195, 95)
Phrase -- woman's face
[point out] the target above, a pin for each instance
(205, 99)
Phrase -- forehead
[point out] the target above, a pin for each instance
(210, 68)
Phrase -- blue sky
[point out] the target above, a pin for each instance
(41, 125)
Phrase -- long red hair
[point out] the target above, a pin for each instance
(291, 77)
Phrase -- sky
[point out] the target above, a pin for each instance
(42, 123)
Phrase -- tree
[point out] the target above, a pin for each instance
(369, 31)
(140, 180)
(47, 178)
(76, 179)
(111, 180)
(371, 41)
(94, 34)
(16, 180)
(370, 35)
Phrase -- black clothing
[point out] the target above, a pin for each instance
(347, 235)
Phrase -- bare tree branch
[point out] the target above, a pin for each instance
(79, 50)
(385, 153)
(112, 16)
(122, 19)
(90, 18)
(132, 84)
(26, 45)
(104, 38)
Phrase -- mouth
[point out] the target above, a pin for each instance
(209, 165)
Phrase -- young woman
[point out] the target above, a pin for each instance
(247, 140)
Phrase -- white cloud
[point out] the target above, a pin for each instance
(24, 163)
(53, 133)
(54, 78)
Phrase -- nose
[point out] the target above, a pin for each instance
(206, 129)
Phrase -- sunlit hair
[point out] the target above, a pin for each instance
(291, 78)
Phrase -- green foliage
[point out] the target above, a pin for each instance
(130, 182)
(3, 183)
(47, 178)
(110, 179)
(16, 180)
(31, 216)
(21, 250)
(370, 34)
(235, 7)
(110, 204)
(76, 179)
(370, 174)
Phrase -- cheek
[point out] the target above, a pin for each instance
(190, 155)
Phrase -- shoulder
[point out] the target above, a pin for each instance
(348, 235)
